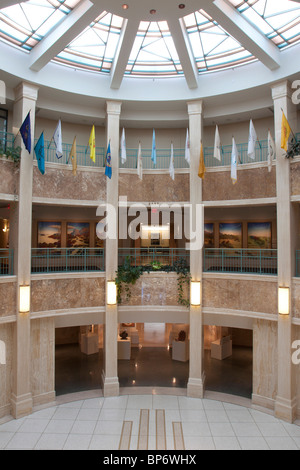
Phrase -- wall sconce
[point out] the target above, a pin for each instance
(24, 300)
(195, 293)
(111, 293)
(283, 300)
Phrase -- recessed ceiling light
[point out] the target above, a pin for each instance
(181, 6)
(152, 12)
(125, 6)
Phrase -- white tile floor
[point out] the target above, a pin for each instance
(96, 423)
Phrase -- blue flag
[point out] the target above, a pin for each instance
(153, 153)
(108, 170)
(25, 132)
(39, 150)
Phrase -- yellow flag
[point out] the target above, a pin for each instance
(285, 132)
(73, 156)
(92, 144)
(202, 168)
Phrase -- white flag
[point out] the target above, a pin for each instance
(217, 147)
(123, 147)
(234, 161)
(57, 138)
(252, 141)
(271, 150)
(140, 163)
(187, 148)
(171, 167)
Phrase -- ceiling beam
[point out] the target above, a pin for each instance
(61, 36)
(244, 32)
(184, 51)
(127, 37)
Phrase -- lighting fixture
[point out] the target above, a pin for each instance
(24, 299)
(195, 293)
(111, 293)
(283, 300)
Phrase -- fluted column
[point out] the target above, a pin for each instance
(195, 387)
(110, 366)
(285, 403)
(20, 241)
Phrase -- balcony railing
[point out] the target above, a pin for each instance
(155, 258)
(58, 260)
(243, 260)
(162, 159)
(261, 154)
(297, 263)
(6, 262)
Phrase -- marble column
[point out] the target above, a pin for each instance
(195, 387)
(20, 241)
(110, 379)
(285, 403)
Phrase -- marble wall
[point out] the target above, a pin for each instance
(6, 335)
(251, 184)
(295, 300)
(9, 181)
(58, 294)
(240, 294)
(295, 178)
(8, 299)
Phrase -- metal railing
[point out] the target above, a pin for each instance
(261, 154)
(6, 262)
(162, 159)
(49, 260)
(154, 258)
(242, 260)
(297, 263)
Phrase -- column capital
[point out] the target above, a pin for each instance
(26, 90)
(282, 90)
(195, 107)
(113, 107)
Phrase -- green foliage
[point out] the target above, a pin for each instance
(126, 275)
(183, 279)
(12, 153)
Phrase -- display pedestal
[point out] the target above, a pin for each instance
(221, 348)
(124, 348)
(180, 351)
(89, 343)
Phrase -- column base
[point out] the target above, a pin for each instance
(110, 386)
(21, 405)
(286, 409)
(195, 387)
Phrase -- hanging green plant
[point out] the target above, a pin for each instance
(12, 153)
(183, 280)
(127, 275)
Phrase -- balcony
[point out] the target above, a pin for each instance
(6, 262)
(242, 260)
(63, 260)
(154, 259)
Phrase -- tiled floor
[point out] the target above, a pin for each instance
(87, 421)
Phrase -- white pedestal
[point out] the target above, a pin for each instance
(89, 343)
(180, 351)
(221, 348)
(124, 348)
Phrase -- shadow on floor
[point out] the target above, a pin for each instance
(75, 371)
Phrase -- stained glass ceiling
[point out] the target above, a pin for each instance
(209, 38)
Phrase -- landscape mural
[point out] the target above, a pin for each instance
(259, 235)
(78, 234)
(49, 234)
(209, 235)
(230, 235)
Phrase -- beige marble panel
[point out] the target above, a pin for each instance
(42, 335)
(6, 335)
(295, 178)
(239, 294)
(9, 181)
(251, 184)
(295, 300)
(8, 299)
(57, 294)
(60, 183)
(154, 289)
(265, 359)
(154, 187)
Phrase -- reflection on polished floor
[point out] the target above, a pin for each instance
(151, 365)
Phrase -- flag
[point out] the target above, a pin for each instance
(171, 167)
(285, 132)
(140, 163)
(39, 150)
(234, 161)
(187, 155)
(271, 150)
(108, 170)
(202, 168)
(57, 138)
(251, 141)
(123, 147)
(73, 156)
(153, 153)
(25, 131)
(217, 147)
(92, 144)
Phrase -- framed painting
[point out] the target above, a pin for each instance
(49, 234)
(259, 235)
(78, 234)
(209, 236)
(230, 235)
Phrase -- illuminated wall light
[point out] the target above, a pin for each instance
(152, 12)
(111, 293)
(24, 300)
(195, 293)
(283, 300)
(125, 6)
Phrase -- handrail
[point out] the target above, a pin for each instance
(6, 262)
(240, 260)
(75, 259)
(160, 256)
